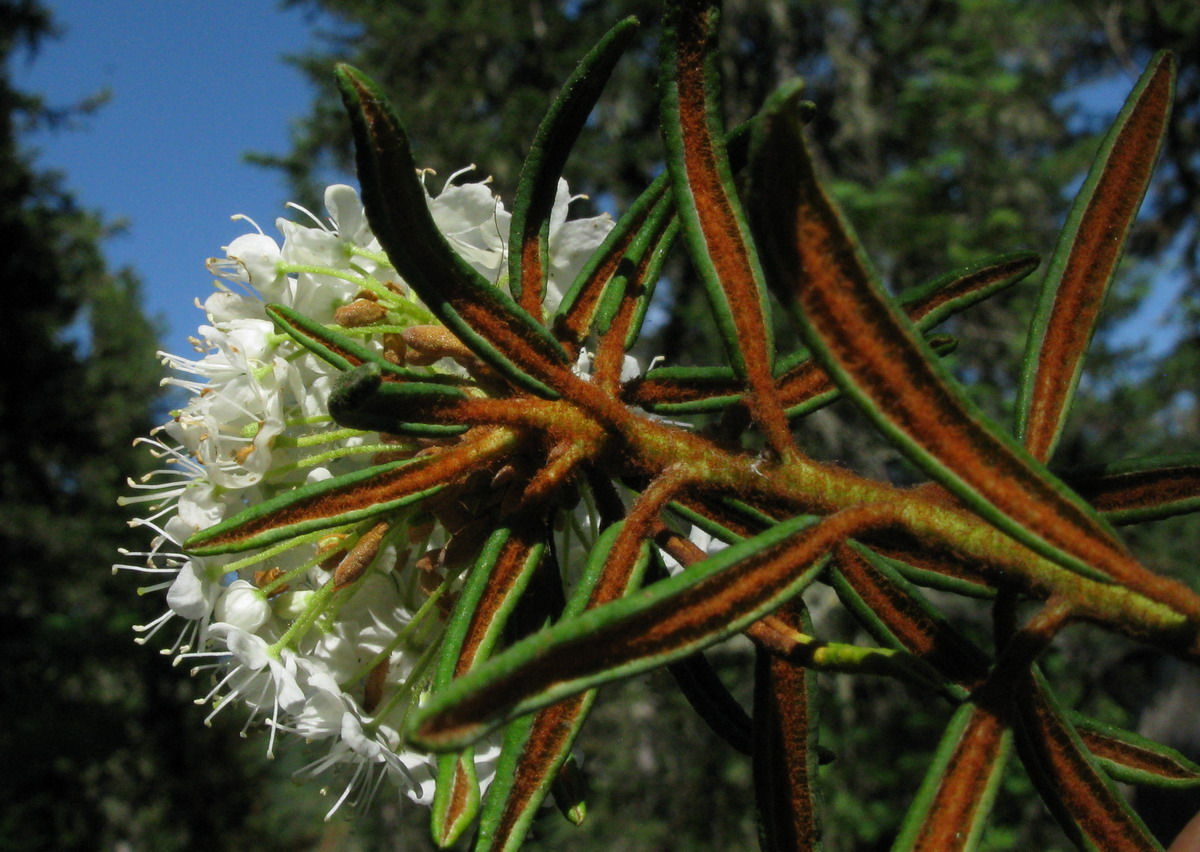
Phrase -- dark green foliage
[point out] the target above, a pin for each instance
(951, 139)
(100, 744)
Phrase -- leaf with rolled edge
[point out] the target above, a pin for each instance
(808, 388)
(1130, 758)
(694, 675)
(349, 498)
(623, 309)
(1092, 812)
(486, 319)
(954, 800)
(940, 298)
(1086, 257)
(872, 351)
(673, 618)
(714, 225)
(935, 571)
(724, 519)
(583, 299)
(344, 353)
(537, 745)
(1139, 490)
(360, 399)
(897, 616)
(803, 384)
(573, 319)
(785, 745)
(538, 184)
(502, 571)
(804, 387)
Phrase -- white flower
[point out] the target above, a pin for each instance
(342, 665)
(243, 606)
(571, 243)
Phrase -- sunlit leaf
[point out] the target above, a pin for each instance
(874, 354)
(481, 315)
(954, 800)
(668, 620)
(714, 225)
(1086, 257)
(530, 227)
(349, 498)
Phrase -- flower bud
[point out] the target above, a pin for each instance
(243, 606)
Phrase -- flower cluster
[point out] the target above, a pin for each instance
(329, 636)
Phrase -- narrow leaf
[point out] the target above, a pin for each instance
(621, 312)
(343, 352)
(803, 387)
(360, 399)
(894, 612)
(873, 353)
(1086, 257)
(671, 619)
(713, 222)
(930, 303)
(785, 745)
(529, 232)
(1133, 759)
(1138, 490)
(483, 317)
(501, 572)
(956, 796)
(803, 383)
(537, 746)
(349, 498)
(1080, 796)
(583, 299)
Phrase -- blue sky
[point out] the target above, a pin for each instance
(194, 86)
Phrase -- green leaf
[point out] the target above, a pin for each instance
(1085, 802)
(502, 571)
(876, 357)
(591, 287)
(1086, 258)
(1138, 490)
(348, 498)
(529, 231)
(954, 800)
(803, 386)
(537, 746)
(714, 225)
(709, 602)
(1133, 759)
(896, 614)
(484, 318)
(935, 301)
(344, 353)
(360, 399)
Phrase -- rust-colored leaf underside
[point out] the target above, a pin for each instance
(1141, 492)
(912, 625)
(963, 788)
(1092, 259)
(784, 736)
(884, 364)
(705, 166)
(1068, 777)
